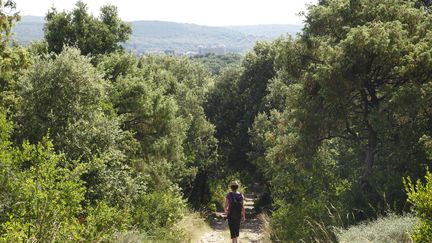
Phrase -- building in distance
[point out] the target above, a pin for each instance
(215, 49)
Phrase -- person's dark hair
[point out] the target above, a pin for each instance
(234, 187)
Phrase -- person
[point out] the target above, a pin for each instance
(234, 210)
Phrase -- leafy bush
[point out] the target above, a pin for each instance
(63, 95)
(41, 192)
(392, 228)
(103, 221)
(301, 223)
(420, 195)
(158, 210)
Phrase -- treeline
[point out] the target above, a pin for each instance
(335, 119)
(97, 144)
(100, 145)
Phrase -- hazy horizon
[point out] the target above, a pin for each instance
(221, 13)
(156, 20)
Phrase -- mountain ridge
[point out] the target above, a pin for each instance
(156, 36)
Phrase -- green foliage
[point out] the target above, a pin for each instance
(391, 228)
(152, 118)
(216, 63)
(235, 101)
(292, 221)
(117, 64)
(158, 210)
(420, 196)
(101, 222)
(42, 198)
(122, 135)
(348, 106)
(64, 96)
(8, 16)
(13, 59)
(219, 188)
(79, 28)
(41, 192)
(160, 101)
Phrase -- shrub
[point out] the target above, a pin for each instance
(392, 228)
(295, 223)
(42, 195)
(420, 195)
(160, 209)
(103, 221)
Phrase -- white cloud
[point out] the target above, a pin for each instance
(221, 12)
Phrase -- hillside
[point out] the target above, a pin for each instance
(267, 30)
(29, 29)
(156, 36)
(160, 35)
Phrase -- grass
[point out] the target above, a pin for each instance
(189, 229)
(193, 226)
(267, 231)
(391, 228)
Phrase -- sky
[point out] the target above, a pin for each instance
(203, 12)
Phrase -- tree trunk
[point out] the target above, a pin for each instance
(199, 194)
(370, 155)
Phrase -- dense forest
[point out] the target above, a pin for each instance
(335, 124)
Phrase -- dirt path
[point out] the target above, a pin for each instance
(250, 231)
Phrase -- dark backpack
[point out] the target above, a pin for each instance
(235, 206)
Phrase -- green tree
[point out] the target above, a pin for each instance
(217, 63)
(160, 100)
(65, 96)
(90, 34)
(8, 16)
(351, 101)
(41, 192)
(189, 84)
(151, 116)
(235, 101)
(366, 78)
(13, 59)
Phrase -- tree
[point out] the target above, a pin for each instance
(217, 63)
(351, 101)
(13, 59)
(41, 192)
(367, 77)
(65, 95)
(236, 100)
(91, 35)
(189, 85)
(8, 16)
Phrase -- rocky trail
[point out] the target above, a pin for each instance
(250, 231)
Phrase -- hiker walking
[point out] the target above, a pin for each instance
(235, 211)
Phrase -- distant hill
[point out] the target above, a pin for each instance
(29, 29)
(160, 35)
(268, 30)
(156, 36)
